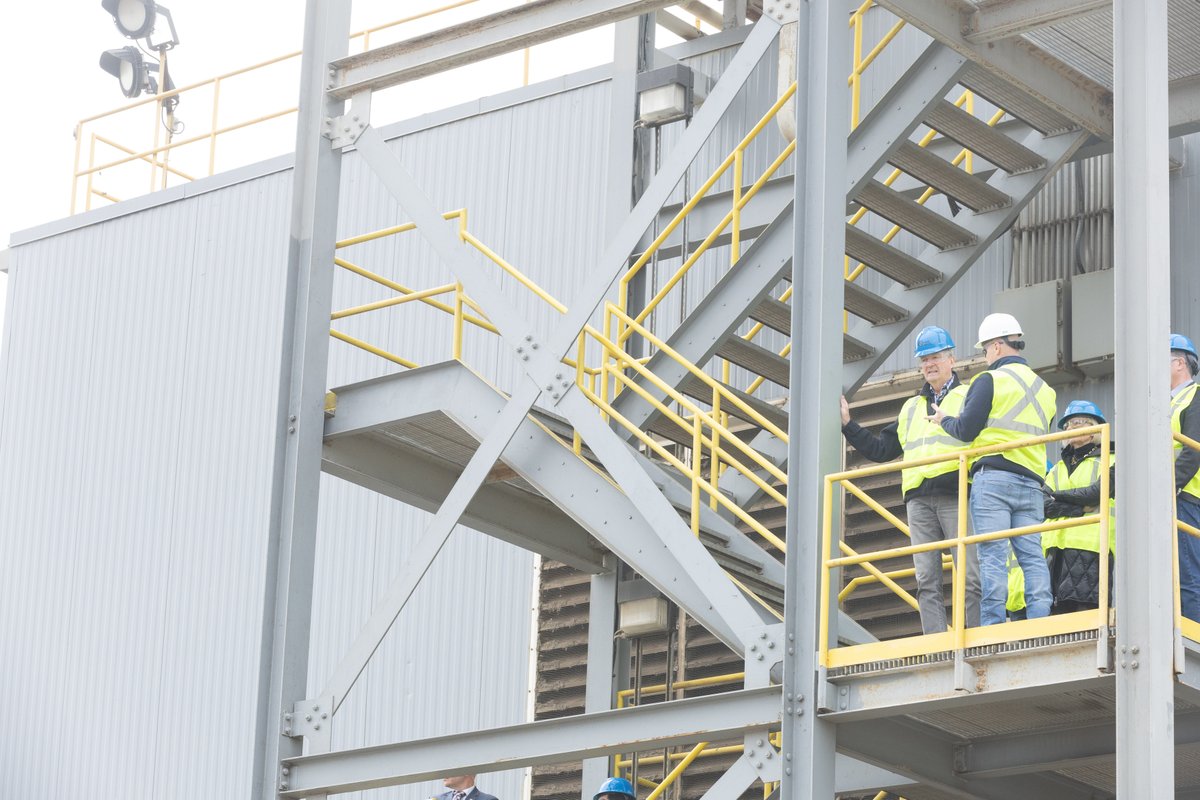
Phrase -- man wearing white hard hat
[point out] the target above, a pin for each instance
(1004, 404)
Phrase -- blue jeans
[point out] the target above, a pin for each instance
(1188, 510)
(1001, 500)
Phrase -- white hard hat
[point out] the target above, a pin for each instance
(997, 326)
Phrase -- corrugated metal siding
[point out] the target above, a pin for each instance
(1067, 229)
(137, 572)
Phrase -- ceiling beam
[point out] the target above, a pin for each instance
(1066, 90)
(1004, 19)
(478, 39)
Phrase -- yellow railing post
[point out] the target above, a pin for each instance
(959, 598)
(212, 135)
(457, 345)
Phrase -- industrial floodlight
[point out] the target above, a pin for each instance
(127, 66)
(134, 18)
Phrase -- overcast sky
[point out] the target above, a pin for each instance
(56, 81)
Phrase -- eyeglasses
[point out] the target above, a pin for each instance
(1078, 422)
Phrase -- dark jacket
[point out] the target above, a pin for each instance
(474, 794)
(977, 407)
(885, 445)
(1072, 502)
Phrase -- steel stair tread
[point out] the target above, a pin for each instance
(982, 139)
(947, 178)
(719, 547)
(914, 217)
(1024, 107)
(774, 314)
(755, 358)
(695, 387)
(870, 306)
(887, 260)
(855, 350)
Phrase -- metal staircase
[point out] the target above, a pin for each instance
(653, 453)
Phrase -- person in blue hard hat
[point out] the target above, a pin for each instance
(1004, 405)
(930, 491)
(615, 789)
(1073, 554)
(462, 787)
(1185, 419)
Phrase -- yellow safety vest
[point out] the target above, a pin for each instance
(1022, 406)
(1016, 584)
(1178, 403)
(1085, 537)
(921, 438)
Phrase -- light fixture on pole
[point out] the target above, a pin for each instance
(130, 69)
(136, 19)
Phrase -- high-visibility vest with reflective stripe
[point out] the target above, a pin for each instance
(921, 438)
(1178, 403)
(1022, 406)
(1084, 537)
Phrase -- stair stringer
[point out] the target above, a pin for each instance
(953, 264)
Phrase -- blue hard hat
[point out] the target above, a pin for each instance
(1081, 408)
(930, 340)
(616, 786)
(1181, 342)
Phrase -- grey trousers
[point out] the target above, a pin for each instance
(933, 518)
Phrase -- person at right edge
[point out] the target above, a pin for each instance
(1006, 403)
(1185, 419)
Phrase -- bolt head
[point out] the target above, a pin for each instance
(308, 717)
(283, 787)
(316, 726)
(285, 771)
(287, 717)
(324, 715)
(287, 731)
(799, 712)
(292, 429)
(753, 647)
(316, 708)
(762, 634)
(758, 764)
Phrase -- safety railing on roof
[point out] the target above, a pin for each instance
(101, 132)
(959, 637)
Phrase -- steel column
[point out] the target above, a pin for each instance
(1142, 313)
(602, 650)
(287, 605)
(822, 125)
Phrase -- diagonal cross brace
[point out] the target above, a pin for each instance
(729, 613)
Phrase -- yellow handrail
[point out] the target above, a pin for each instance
(959, 636)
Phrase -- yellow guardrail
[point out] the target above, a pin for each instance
(959, 637)
(202, 147)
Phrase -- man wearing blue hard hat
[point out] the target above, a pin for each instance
(615, 789)
(930, 491)
(1185, 419)
(1004, 405)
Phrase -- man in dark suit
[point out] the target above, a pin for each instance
(462, 787)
